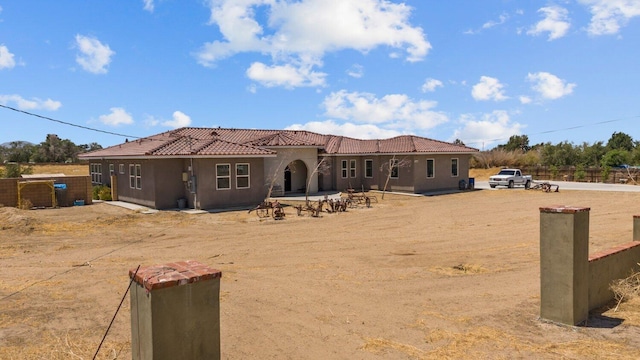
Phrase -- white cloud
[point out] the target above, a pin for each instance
(33, 104)
(555, 22)
(358, 131)
(356, 71)
(148, 5)
(118, 116)
(525, 100)
(488, 89)
(487, 129)
(501, 20)
(179, 120)
(300, 33)
(395, 111)
(430, 85)
(287, 75)
(608, 16)
(550, 86)
(6, 58)
(94, 57)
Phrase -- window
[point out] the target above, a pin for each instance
(368, 168)
(135, 176)
(242, 176)
(431, 168)
(96, 173)
(393, 167)
(352, 168)
(454, 167)
(223, 176)
(344, 169)
(132, 176)
(121, 168)
(138, 176)
(112, 169)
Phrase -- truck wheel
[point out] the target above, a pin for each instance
(527, 185)
(510, 184)
(492, 186)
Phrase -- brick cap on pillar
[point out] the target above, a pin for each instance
(563, 209)
(173, 274)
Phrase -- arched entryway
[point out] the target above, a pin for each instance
(295, 177)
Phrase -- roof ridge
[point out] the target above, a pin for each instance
(164, 145)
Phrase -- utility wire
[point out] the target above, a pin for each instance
(560, 130)
(68, 123)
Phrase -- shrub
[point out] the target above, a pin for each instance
(101, 192)
(579, 174)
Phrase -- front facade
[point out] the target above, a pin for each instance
(207, 168)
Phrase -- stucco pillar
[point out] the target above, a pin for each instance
(564, 264)
(175, 312)
(636, 227)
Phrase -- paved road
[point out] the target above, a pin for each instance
(570, 185)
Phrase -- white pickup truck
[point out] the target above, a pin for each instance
(510, 178)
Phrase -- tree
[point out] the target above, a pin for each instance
(591, 155)
(517, 143)
(392, 168)
(323, 167)
(615, 158)
(562, 154)
(620, 141)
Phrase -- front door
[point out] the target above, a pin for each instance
(287, 179)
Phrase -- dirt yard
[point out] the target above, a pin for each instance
(452, 276)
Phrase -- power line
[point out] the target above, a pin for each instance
(563, 129)
(69, 124)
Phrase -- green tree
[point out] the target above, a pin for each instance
(15, 170)
(615, 158)
(620, 141)
(19, 152)
(579, 174)
(562, 154)
(516, 142)
(591, 155)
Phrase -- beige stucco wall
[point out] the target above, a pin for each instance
(604, 270)
(274, 167)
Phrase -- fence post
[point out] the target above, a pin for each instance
(564, 264)
(175, 312)
(636, 227)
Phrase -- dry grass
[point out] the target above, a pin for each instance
(67, 169)
(627, 288)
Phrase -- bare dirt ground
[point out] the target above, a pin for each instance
(453, 276)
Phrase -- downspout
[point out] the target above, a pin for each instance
(195, 187)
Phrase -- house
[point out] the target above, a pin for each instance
(207, 168)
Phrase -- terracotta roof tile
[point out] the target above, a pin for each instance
(191, 141)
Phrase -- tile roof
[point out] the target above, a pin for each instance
(189, 141)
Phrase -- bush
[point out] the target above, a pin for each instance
(579, 174)
(101, 192)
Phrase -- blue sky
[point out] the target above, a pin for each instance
(479, 71)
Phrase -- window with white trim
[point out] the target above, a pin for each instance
(132, 176)
(242, 176)
(138, 176)
(454, 167)
(96, 173)
(121, 168)
(344, 169)
(112, 169)
(223, 176)
(431, 168)
(352, 168)
(368, 168)
(135, 176)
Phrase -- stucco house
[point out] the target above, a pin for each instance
(210, 168)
